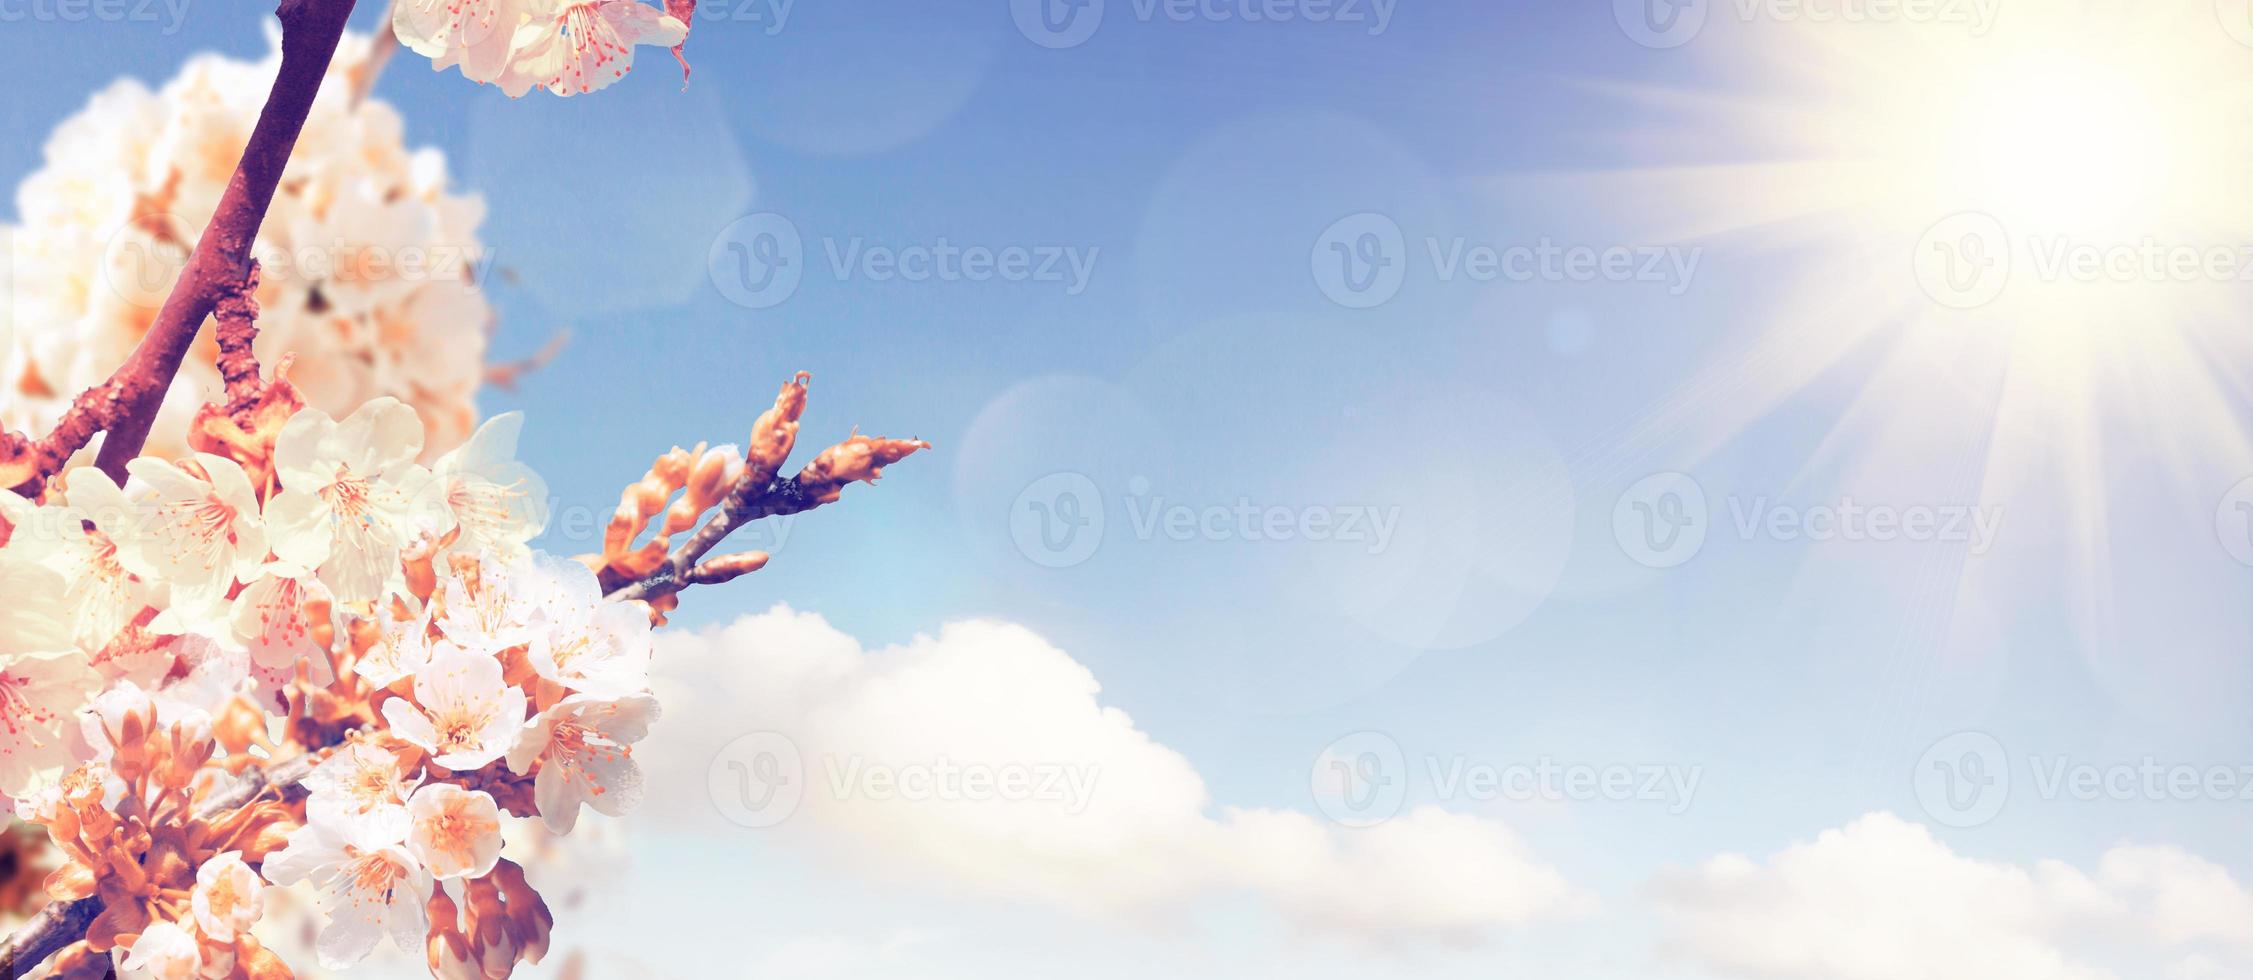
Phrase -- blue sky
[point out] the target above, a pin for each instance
(1198, 169)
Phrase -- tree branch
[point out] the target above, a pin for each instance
(126, 405)
(63, 923)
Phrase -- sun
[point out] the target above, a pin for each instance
(2060, 141)
(2023, 255)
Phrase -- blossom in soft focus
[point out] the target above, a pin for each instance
(568, 47)
(370, 255)
(163, 952)
(464, 715)
(353, 496)
(585, 749)
(456, 832)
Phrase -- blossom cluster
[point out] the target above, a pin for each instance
(369, 252)
(387, 614)
(568, 47)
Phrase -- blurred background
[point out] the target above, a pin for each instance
(1661, 488)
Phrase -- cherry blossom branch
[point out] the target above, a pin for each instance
(62, 923)
(56, 926)
(755, 494)
(125, 406)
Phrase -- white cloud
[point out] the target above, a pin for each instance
(1881, 899)
(1078, 809)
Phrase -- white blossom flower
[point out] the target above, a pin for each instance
(456, 832)
(352, 496)
(31, 627)
(360, 783)
(129, 182)
(202, 533)
(402, 649)
(585, 750)
(369, 886)
(163, 951)
(584, 45)
(104, 589)
(269, 619)
(498, 503)
(583, 642)
(497, 610)
(228, 897)
(463, 713)
(122, 715)
(38, 695)
(474, 34)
